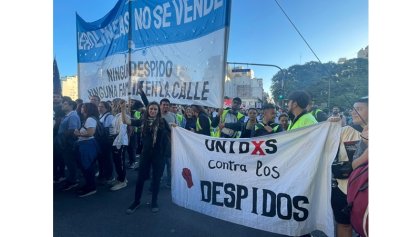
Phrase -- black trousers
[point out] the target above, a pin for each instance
(132, 148)
(149, 160)
(58, 162)
(105, 165)
(118, 155)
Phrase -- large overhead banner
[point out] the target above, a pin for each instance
(173, 49)
(279, 183)
(101, 48)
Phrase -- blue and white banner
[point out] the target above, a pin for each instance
(174, 49)
(279, 183)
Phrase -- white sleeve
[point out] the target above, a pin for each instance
(90, 123)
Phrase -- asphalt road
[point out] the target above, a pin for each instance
(103, 215)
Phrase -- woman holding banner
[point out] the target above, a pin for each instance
(154, 132)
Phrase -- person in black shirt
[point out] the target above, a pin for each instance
(155, 135)
(267, 125)
(249, 125)
(191, 119)
(203, 120)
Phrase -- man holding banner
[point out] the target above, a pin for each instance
(229, 122)
(177, 50)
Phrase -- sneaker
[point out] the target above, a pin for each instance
(69, 185)
(119, 185)
(59, 180)
(155, 208)
(87, 192)
(133, 165)
(111, 181)
(132, 208)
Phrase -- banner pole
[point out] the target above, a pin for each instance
(130, 43)
(78, 60)
(225, 69)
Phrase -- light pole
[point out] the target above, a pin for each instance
(329, 93)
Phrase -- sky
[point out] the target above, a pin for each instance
(393, 69)
(259, 32)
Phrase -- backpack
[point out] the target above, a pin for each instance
(358, 199)
(101, 133)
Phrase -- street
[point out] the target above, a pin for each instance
(103, 214)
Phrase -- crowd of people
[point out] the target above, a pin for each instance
(137, 136)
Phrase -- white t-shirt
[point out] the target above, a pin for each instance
(90, 123)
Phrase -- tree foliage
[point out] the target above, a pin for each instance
(348, 81)
(56, 79)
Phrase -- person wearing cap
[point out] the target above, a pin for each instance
(229, 121)
(298, 101)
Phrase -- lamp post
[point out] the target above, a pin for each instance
(329, 93)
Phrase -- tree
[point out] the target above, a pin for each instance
(56, 79)
(349, 81)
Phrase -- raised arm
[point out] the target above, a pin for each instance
(124, 118)
(144, 97)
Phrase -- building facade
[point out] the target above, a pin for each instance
(241, 83)
(363, 53)
(69, 85)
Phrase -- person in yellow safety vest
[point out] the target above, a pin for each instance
(229, 121)
(133, 142)
(267, 125)
(298, 101)
(180, 120)
(203, 122)
(318, 114)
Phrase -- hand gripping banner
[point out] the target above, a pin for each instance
(279, 183)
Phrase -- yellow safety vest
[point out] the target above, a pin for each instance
(238, 116)
(137, 115)
(261, 126)
(199, 128)
(305, 120)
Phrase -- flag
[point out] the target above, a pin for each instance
(168, 49)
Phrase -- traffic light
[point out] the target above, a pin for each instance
(280, 97)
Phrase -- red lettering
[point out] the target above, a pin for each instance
(258, 148)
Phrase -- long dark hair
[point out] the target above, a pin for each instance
(199, 109)
(91, 110)
(147, 117)
(106, 106)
